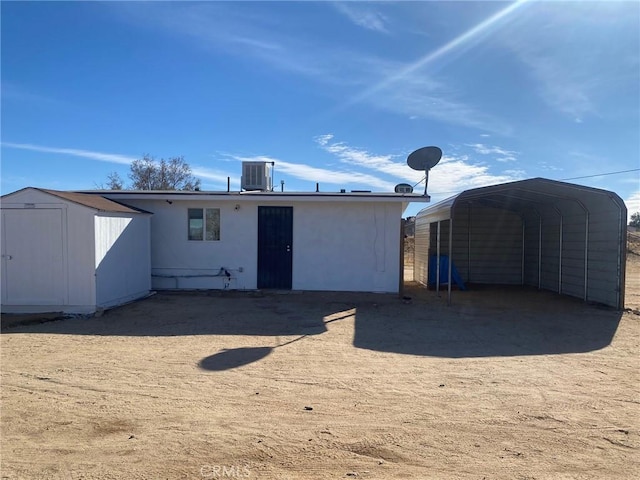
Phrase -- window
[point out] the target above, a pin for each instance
(204, 224)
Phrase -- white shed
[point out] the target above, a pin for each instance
(552, 235)
(71, 252)
(348, 241)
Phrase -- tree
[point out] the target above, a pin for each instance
(149, 174)
(635, 220)
(114, 182)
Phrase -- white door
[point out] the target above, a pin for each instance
(32, 257)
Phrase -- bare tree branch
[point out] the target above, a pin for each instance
(149, 174)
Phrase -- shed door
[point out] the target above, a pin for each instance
(32, 257)
(275, 245)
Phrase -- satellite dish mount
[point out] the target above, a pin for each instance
(424, 158)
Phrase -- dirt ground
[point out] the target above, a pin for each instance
(503, 384)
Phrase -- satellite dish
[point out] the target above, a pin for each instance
(424, 158)
(403, 188)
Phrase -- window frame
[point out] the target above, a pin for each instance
(204, 219)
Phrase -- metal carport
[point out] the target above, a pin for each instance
(553, 235)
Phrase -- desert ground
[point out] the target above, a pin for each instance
(502, 384)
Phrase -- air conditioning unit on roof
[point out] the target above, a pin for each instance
(256, 176)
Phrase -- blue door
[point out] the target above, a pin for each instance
(275, 247)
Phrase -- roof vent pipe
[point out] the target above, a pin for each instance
(273, 167)
(317, 187)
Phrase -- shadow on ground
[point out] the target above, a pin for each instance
(234, 358)
(237, 357)
(197, 313)
(480, 323)
(487, 322)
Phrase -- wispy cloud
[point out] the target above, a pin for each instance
(454, 173)
(561, 87)
(99, 156)
(457, 173)
(264, 38)
(418, 98)
(198, 171)
(463, 40)
(363, 16)
(218, 176)
(582, 57)
(549, 166)
(314, 174)
(502, 154)
(633, 203)
(411, 89)
(362, 158)
(236, 31)
(12, 92)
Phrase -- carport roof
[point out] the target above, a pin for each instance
(523, 195)
(547, 199)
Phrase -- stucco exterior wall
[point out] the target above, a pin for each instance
(351, 246)
(346, 246)
(180, 263)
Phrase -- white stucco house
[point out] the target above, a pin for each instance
(257, 239)
(80, 251)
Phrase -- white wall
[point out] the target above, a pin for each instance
(78, 281)
(177, 262)
(346, 246)
(122, 258)
(33, 259)
(81, 279)
(352, 246)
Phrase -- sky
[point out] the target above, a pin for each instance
(338, 93)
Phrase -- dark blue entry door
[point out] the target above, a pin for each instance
(275, 247)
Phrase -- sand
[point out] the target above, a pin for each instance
(503, 384)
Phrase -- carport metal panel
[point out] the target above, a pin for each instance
(546, 199)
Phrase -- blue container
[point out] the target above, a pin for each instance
(444, 272)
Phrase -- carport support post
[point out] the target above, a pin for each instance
(586, 254)
(560, 252)
(438, 259)
(524, 223)
(539, 251)
(401, 273)
(469, 243)
(622, 255)
(450, 259)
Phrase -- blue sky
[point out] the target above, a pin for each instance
(334, 92)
